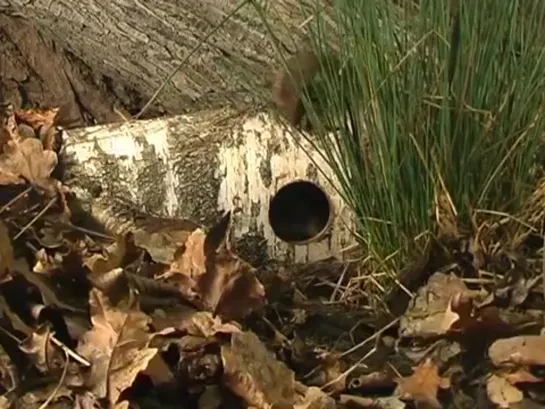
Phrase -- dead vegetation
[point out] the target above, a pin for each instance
(165, 314)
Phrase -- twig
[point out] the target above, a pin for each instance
(20, 195)
(339, 281)
(58, 343)
(356, 347)
(349, 370)
(35, 219)
(371, 338)
(88, 231)
(61, 381)
(81, 360)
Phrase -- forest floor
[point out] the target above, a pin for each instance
(91, 320)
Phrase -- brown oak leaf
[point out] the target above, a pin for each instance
(227, 285)
(117, 347)
(26, 161)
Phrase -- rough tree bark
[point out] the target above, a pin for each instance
(134, 45)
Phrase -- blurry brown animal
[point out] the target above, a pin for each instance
(291, 81)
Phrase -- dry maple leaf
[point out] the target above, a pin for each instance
(117, 347)
(26, 161)
(226, 284)
(422, 386)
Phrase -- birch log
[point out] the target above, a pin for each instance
(197, 166)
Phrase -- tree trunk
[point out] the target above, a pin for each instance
(132, 45)
(200, 165)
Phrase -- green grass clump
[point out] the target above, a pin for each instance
(429, 103)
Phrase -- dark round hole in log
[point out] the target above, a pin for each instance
(299, 212)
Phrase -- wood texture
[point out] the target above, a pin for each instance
(139, 43)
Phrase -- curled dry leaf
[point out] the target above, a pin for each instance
(205, 325)
(45, 263)
(26, 161)
(162, 238)
(252, 373)
(35, 118)
(117, 347)
(110, 259)
(451, 311)
(429, 316)
(501, 392)
(459, 314)
(226, 284)
(6, 254)
(518, 351)
(422, 386)
(315, 398)
(522, 375)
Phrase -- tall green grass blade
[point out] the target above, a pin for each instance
(410, 109)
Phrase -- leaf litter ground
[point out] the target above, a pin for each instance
(166, 315)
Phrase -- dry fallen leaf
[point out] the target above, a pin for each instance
(110, 259)
(522, 375)
(522, 350)
(6, 253)
(252, 373)
(226, 284)
(501, 392)
(204, 324)
(162, 238)
(36, 118)
(9, 375)
(43, 354)
(459, 314)
(422, 386)
(26, 161)
(117, 347)
(315, 398)
(429, 316)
